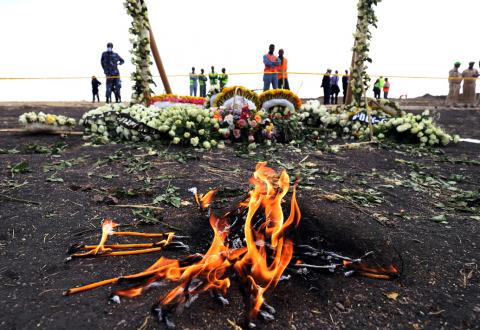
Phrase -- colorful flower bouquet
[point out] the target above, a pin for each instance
(169, 100)
(45, 121)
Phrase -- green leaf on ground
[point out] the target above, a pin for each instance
(21, 167)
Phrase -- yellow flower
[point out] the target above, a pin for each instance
(51, 119)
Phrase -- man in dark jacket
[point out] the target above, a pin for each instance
(326, 87)
(95, 84)
(110, 61)
(345, 86)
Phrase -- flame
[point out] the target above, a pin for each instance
(259, 264)
(383, 273)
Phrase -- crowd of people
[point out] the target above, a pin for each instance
(469, 78)
(275, 75)
(216, 80)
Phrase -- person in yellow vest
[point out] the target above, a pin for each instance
(202, 82)
(193, 83)
(470, 76)
(223, 79)
(283, 71)
(213, 76)
(271, 63)
(386, 89)
(454, 85)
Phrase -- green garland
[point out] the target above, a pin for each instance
(360, 79)
(142, 76)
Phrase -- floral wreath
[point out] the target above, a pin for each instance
(280, 97)
(229, 95)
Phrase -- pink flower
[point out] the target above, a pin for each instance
(253, 123)
(251, 139)
(242, 123)
(236, 133)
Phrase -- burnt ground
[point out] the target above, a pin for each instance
(398, 201)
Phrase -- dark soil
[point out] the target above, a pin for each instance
(440, 283)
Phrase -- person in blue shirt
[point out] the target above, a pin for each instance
(110, 61)
(334, 89)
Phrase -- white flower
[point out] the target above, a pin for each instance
(194, 141)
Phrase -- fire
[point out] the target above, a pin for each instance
(253, 242)
(259, 264)
(259, 261)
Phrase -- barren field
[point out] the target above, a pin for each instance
(415, 208)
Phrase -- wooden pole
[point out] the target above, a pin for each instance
(349, 96)
(158, 62)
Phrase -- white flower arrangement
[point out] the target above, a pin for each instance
(141, 58)
(360, 79)
(47, 120)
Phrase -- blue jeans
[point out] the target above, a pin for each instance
(270, 78)
(113, 85)
(193, 90)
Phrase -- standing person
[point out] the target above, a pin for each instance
(470, 76)
(202, 81)
(376, 89)
(269, 73)
(223, 79)
(110, 61)
(283, 71)
(386, 88)
(454, 85)
(326, 87)
(213, 76)
(193, 83)
(116, 91)
(345, 85)
(95, 84)
(381, 82)
(334, 89)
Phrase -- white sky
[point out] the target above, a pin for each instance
(66, 38)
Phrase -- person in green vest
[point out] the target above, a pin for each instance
(382, 82)
(193, 83)
(223, 78)
(213, 76)
(202, 82)
(376, 89)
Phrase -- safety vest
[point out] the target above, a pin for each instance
(213, 78)
(202, 79)
(283, 69)
(193, 79)
(223, 78)
(386, 87)
(269, 69)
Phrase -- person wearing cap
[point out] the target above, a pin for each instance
(110, 61)
(326, 86)
(454, 84)
(470, 76)
(95, 84)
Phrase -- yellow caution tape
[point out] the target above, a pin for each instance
(239, 74)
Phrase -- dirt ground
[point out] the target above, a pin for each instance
(400, 202)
